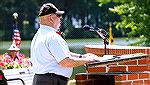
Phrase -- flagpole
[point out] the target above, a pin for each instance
(15, 16)
(16, 33)
(14, 48)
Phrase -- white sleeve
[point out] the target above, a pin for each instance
(58, 47)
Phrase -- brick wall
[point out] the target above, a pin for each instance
(116, 50)
(135, 67)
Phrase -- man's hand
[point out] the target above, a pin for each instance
(90, 57)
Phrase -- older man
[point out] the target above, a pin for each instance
(52, 61)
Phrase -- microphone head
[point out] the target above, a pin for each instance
(97, 29)
(86, 27)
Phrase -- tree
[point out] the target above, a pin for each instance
(83, 11)
(26, 10)
(135, 14)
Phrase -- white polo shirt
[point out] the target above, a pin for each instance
(47, 49)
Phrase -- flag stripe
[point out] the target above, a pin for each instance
(16, 37)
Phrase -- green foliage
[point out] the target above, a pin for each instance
(26, 9)
(79, 33)
(83, 11)
(135, 14)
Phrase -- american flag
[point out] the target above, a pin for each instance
(16, 37)
(16, 34)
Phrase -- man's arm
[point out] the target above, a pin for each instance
(76, 60)
(67, 62)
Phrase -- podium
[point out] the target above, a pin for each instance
(124, 71)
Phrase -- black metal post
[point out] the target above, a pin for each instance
(104, 37)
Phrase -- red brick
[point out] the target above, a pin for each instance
(117, 69)
(148, 51)
(137, 68)
(120, 78)
(123, 83)
(132, 76)
(138, 82)
(144, 61)
(146, 82)
(143, 75)
(132, 62)
(148, 60)
(97, 69)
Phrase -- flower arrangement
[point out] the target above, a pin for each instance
(8, 62)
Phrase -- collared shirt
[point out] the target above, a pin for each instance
(47, 49)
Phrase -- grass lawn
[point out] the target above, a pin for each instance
(75, 45)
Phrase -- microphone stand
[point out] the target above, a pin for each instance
(104, 37)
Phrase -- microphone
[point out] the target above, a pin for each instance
(89, 28)
(101, 32)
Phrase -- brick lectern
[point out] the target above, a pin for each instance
(131, 72)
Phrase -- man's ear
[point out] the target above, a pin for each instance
(51, 18)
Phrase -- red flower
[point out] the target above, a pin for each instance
(6, 62)
(19, 61)
(21, 56)
(2, 64)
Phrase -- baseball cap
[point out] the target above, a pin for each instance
(49, 8)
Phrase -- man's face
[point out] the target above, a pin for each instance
(57, 20)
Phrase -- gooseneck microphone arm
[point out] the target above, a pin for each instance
(105, 40)
(101, 32)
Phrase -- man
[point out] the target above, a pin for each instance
(52, 61)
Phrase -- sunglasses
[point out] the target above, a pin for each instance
(58, 15)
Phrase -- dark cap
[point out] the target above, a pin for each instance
(49, 8)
